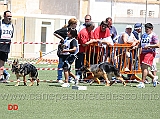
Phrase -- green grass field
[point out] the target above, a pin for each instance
(50, 101)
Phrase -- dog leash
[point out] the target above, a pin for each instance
(43, 55)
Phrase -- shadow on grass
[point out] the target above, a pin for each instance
(15, 84)
(51, 81)
(56, 85)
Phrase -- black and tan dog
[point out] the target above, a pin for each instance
(22, 70)
(105, 70)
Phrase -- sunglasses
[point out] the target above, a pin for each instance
(104, 26)
(147, 29)
(87, 19)
(8, 16)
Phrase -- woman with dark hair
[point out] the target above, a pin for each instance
(69, 52)
(62, 34)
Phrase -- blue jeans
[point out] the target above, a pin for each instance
(60, 71)
(5, 73)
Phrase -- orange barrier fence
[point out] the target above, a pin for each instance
(123, 56)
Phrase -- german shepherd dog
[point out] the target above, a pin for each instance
(105, 70)
(21, 70)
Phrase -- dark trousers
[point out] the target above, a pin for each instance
(79, 63)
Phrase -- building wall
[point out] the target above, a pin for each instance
(101, 10)
(29, 29)
(28, 16)
(60, 7)
(17, 49)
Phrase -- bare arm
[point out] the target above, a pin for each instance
(124, 38)
(70, 50)
(58, 36)
(152, 46)
(91, 41)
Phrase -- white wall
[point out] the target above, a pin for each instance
(101, 10)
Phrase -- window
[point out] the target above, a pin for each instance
(151, 13)
(46, 23)
(43, 39)
(4, 2)
(142, 12)
(129, 12)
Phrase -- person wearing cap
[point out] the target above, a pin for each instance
(148, 43)
(137, 30)
(128, 38)
(85, 37)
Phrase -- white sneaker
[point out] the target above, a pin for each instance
(126, 69)
(7, 77)
(60, 81)
(147, 82)
(127, 54)
(140, 85)
(65, 85)
(155, 80)
(71, 81)
(77, 80)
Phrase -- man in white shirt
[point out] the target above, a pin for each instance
(128, 37)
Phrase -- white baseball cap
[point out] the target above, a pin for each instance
(128, 26)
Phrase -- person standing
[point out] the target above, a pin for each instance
(6, 34)
(62, 34)
(69, 55)
(128, 38)
(137, 30)
(102, 35)
(113, 31)
(85, 37)
(149, 43)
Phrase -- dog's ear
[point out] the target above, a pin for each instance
(16, 61)
(85, 68)
(99, 70)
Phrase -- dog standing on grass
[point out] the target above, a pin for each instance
(105, 70)
(22, 70)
